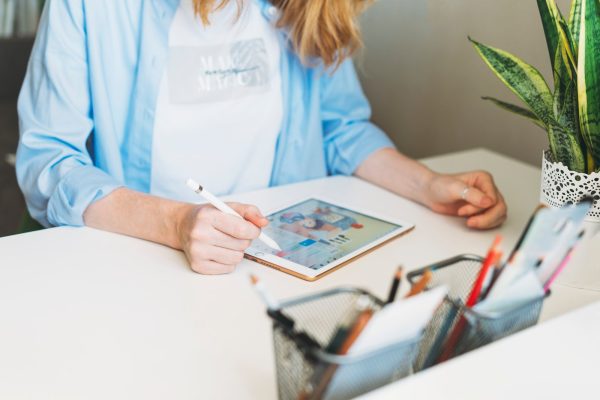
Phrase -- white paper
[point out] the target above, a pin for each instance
(523, 290)
(399, 321)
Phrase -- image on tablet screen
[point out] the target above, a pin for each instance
(315, 233)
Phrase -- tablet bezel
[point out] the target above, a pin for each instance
(309, 274)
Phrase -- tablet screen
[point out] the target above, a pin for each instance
(315, 233)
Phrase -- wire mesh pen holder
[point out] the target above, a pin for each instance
(305, 371)
(440, 341)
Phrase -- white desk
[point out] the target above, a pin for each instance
(556, 360)
(88, 314)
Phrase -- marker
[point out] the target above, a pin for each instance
(218, 204)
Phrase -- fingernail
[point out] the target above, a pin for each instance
(487, 201)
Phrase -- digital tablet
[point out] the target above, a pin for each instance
(317, 236)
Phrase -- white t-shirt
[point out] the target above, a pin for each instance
(220, 108)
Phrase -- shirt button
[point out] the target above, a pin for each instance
(272, 11)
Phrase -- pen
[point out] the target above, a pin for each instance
(560, 268)
(273, 307)
(220, 205)
(421, 283)
(562, 265)
(498, 268)
(436, 347)
(395, 285)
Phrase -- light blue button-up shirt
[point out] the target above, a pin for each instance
(87, 108)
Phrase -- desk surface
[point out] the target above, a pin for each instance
(89, 314)
(554, 360)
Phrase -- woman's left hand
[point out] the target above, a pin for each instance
(472, 195)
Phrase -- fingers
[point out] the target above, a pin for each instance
(215, 241)
(207, 267)
(468, 210)
(250, 213)
(482, 191)
(490, 218)
(220, 239)
(476, 197)
(485, 182)
(229, 224)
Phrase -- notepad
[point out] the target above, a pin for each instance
(399, 321)
(521, 291)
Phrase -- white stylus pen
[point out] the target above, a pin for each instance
(218, 204)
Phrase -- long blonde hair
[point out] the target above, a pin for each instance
(324, 29)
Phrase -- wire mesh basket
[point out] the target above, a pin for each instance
(459, 274)
(305, 371)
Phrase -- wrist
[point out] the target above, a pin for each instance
(180, 225)
(425, 187)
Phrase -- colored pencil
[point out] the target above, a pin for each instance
(421, 283)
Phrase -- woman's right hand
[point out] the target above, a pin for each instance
(214, 242)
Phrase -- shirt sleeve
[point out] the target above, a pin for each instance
(54, 168)
(349, 136)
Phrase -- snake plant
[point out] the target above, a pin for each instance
(570, 113)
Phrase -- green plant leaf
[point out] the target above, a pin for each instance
(550, 15)
(566, 47)
(523, 79)
(565, 105)
(565, 148)
(517, 110)
(575, 22)
(589, 77)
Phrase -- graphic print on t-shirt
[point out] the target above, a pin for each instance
(215, 73)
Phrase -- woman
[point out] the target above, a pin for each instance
(124, 100)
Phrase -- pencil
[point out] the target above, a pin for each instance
(337, 342)
(421, 283)
(358, 327)
(493, 256)
(395, 284)
(457, 333)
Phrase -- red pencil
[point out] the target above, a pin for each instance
(492, 258)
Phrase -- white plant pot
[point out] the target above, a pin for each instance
(562, 186)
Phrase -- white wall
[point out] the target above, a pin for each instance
(425, 80)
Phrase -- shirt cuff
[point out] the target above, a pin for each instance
(78, 189)
(351, 157)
